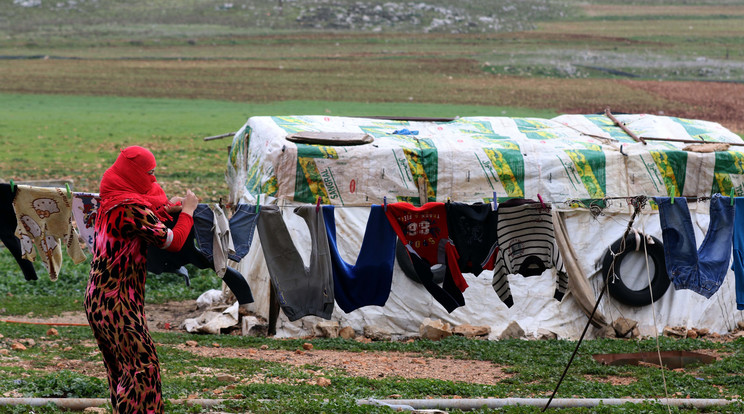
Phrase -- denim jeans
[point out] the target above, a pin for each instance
(242, 226)
(739, 251)
(700, 270)
(203, 222)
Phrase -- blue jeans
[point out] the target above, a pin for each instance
(242, 226)
(700, 270)
(739, 251)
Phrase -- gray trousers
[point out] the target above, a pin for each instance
(301, 290)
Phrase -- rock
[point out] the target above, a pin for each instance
(435, 330)
(253, 326)
(740, 324)
(264, 347)
(513, 331)
(675, 331)
(323, 381)
(376, 333)
(307, 346)
(469, 331)
(328, 329)
(17, 346)
(97, 410)
(28, 341)
(347, 332)
(545, 334)
(691, 333)
(4, 352)
(623, 326)
(635, 333)
(703, 331)
(192, 344)
(216, 345)
(362, 339)
(226, 378)
(52, 332)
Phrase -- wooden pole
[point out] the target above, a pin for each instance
(623, 127)
(229, 134)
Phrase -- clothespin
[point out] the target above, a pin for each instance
(674, 192)
(495, 203)
(542, 203)
(732, 196)
(258, 202)
(69, 193)
(317, 206)
(12, 186)
(384, 203)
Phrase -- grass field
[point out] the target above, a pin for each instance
(81, 79)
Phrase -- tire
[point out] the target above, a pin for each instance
(659, 281)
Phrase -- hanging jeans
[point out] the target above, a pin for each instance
(242, 226)
(8, 223)
(368, 281)
(703, 269)
(301, 290)
(739, 251)
(159, 261)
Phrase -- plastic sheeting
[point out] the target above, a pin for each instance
(563, 159)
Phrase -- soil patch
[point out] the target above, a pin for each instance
(373, 365)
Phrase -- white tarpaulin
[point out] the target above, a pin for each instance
(571, 161)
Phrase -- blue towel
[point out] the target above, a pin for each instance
(368, 281)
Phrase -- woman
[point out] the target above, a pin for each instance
(129, 219)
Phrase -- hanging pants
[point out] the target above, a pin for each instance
(301, 290)
(160, 260)
(700, 270)
(8, 223)
(738, 246)
(368, 281)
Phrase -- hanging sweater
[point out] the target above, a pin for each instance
(526, 246)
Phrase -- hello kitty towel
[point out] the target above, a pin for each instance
(44, 220)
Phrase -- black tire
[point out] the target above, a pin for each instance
(659, 281)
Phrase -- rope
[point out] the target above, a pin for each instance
(638, 203)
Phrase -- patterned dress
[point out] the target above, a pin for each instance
(114, 305)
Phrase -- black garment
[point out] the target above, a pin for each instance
(472, 229)
(448, 295)
(8, 223)
(160, 260)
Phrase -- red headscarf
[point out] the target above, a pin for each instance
(128, 182)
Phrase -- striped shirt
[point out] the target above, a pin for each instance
(526, 246)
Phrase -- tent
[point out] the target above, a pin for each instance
(587, 166)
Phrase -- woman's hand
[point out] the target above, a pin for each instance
(189, 203)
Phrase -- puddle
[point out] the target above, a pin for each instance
(670, 359)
